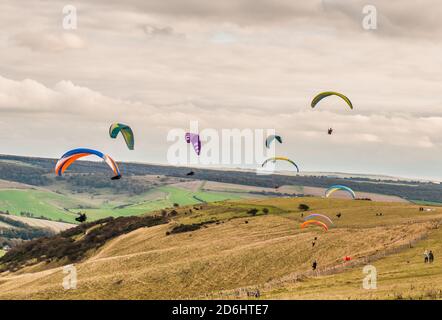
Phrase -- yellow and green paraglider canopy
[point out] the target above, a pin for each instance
(125, 130)
(325, 94)
(274, 159)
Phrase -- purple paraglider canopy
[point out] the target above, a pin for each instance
(196, 142)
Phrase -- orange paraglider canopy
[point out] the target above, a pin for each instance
(318, 223)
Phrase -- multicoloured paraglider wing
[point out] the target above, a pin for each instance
(314, 216)
(274, 159)
(337, 187)
(195, 140)
(315, 222)
(111, 163)
(270, 139)
(323, 95)
(73, 155)
(126, 132)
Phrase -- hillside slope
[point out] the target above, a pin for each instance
(238, 252)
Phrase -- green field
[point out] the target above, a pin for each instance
(45, 204)
(59, 207)
(171, 195)
(2, 253)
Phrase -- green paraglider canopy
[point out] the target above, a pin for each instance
(270, 139)
(325, 94)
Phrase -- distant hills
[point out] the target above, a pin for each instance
(89, 176)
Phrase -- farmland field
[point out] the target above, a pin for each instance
(168, 196)
(40, 203)
(55, 226)
(59, 207)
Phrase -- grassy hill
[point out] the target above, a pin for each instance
(38, 203)
(61, 207)
(229, 252)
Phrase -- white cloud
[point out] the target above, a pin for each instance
(227, 64)
(48, 42)
(55, 119)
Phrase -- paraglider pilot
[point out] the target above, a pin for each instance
(314, 265)
(81, 218)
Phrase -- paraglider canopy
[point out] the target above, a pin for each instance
(270, 139)
(125, 130)
(325, 94)
(314, 222)
(73, 155)
(195, 140)
(337, 187)
(319, 216)
(274, 159)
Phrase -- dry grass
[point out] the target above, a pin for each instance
(269, 249)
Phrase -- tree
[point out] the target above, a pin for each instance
(265, 211)
(303, 207)
(253, 211)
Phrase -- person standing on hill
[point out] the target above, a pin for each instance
(430, 257)
(426, 256)
(314, 265)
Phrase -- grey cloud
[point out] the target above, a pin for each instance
(396, 18)
(283, 53)
(156, 31)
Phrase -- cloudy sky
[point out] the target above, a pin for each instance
(157, 65)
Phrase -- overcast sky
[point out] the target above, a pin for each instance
(156, 65)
